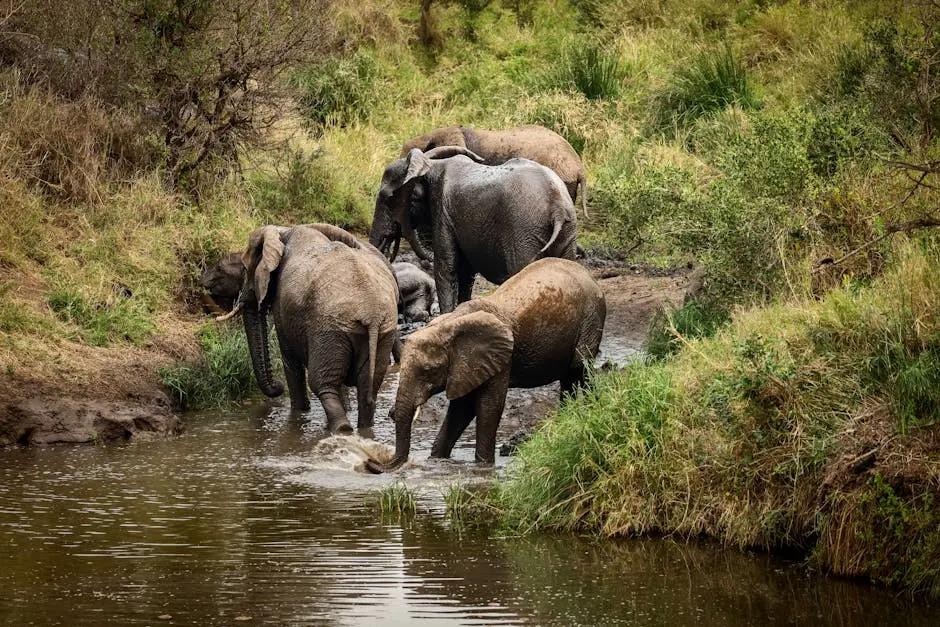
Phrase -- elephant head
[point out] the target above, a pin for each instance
(402, 202)
(223, 281)
(261, 260)
(456, 354)
(447, 136)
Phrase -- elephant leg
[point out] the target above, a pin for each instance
(344, 397)
(296, 384)
(445, 270)
(465, 278)
(330, 356)
(574, 378)
(459, 414)
(335, 412)
(490, 401)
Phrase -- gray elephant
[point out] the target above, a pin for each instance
(496, 147)
(415, 292)
(542, 325)
(492, 220)
(331, 333)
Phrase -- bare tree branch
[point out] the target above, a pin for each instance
(904, 227)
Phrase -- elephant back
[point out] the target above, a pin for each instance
(558, 312)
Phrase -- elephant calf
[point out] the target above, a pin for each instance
(415, 292)
(331, 332)
(542, 325)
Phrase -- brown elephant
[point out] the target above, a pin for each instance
(497, 147)
(542, 325)
(332, 333)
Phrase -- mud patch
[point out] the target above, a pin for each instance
(42, 421)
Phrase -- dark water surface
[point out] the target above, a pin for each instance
(238, 522)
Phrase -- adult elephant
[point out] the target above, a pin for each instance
(492, 220)
(495, 147)
(542, 325)
(331, 333)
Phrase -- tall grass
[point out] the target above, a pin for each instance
(223, 374)
(712, 81)
(595, 70)
(745, 436)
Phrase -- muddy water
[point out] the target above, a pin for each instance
(245, 519)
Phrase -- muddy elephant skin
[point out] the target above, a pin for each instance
(415, 292)
(496, 147)
(331, 333)
(491, 220)
(542, 325)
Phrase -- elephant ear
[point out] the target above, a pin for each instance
(264, 253)
(481, 347)
(418, 165)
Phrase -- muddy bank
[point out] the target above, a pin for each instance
(64, 392)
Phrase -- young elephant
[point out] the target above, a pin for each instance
(331, 333)
(542, 325)
(223, 282)
(495, 147)
(415, 292)
(492, 220)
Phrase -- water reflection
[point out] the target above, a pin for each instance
(237, 520)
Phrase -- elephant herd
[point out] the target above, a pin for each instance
(495, 203)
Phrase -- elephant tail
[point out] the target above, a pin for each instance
(373, 330)
(556, 229)
(582, 183)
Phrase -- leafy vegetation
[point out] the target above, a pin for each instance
(745, 436)
(224, 373)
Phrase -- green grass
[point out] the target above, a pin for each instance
(669, 329)
(714, 80)
(223, 374)
(121, 319)
(595, 70)
(397, 499)
(744, 436)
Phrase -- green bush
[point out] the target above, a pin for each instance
(223, 374)
(713, 80)
(339, 91)
(121, 320)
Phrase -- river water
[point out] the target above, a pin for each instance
(243, 520)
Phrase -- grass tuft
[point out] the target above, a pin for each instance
(397, 499)
(715, 79)
(223, 374)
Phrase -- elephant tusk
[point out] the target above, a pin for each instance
(417, 413)
(230, 314)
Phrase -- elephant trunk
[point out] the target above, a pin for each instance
(412, 236)
(256, 330)
(403, 422)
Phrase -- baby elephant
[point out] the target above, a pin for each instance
(415, 292)
(223, 281)
(542, 325)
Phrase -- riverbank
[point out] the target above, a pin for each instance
(808, 426)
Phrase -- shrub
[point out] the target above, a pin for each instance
(713, 80)
(339, 91)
